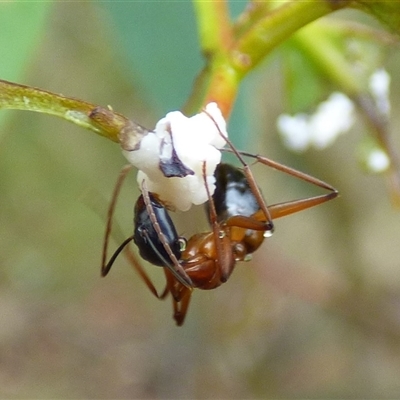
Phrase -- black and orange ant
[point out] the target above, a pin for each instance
(239, 218)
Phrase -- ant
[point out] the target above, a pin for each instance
(239, 218)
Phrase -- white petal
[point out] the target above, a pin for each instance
(378, 161)
(196, 142)
(379, 84)
(295, 131)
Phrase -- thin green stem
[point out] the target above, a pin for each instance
(214, 25)
(217, 82)
(258, 31)
(101, 120)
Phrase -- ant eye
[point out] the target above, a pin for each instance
(182, 243)
(142, 233)
(221, 234)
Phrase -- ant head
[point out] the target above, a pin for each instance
(148, 239)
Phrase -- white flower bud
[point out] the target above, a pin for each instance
(379, 85)
(332, 118)
(181, 144)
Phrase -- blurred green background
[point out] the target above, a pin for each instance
(315, 314)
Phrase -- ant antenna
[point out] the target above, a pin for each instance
(129, 255)
(106, 269)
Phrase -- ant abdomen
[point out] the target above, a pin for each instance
(233, 194)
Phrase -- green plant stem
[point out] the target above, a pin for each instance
(228, 60)
(387, 11)
(101, 120)
(267, 32)
(214, 25)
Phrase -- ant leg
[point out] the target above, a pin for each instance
(139, 269)
(176, 268)
(282, 209)
(106, 266)
(290, 171)
(290, 207)
(268, 224)
(181, 307)
(181, 296)
(287, 208)
(225, 258)
(110, 213)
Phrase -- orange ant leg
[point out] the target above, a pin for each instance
(139, 269)
(225, 258)
(284, 208)
(181, 296)
(105, 266)
(291, 207)
(287, 208)
(268, 224)
(181, 307)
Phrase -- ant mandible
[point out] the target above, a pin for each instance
(239, 218)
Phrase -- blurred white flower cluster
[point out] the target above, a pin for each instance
(332, 118)
(379, 84)
(377, 161)
(170, 159)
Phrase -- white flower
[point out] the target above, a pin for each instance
(379, 83)
(332, 118)
(378, 161)
(295, 131)
(181, 143)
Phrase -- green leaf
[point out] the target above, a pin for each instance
(160, 42)
(21, 27)
(387, 11)
(304, 85)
